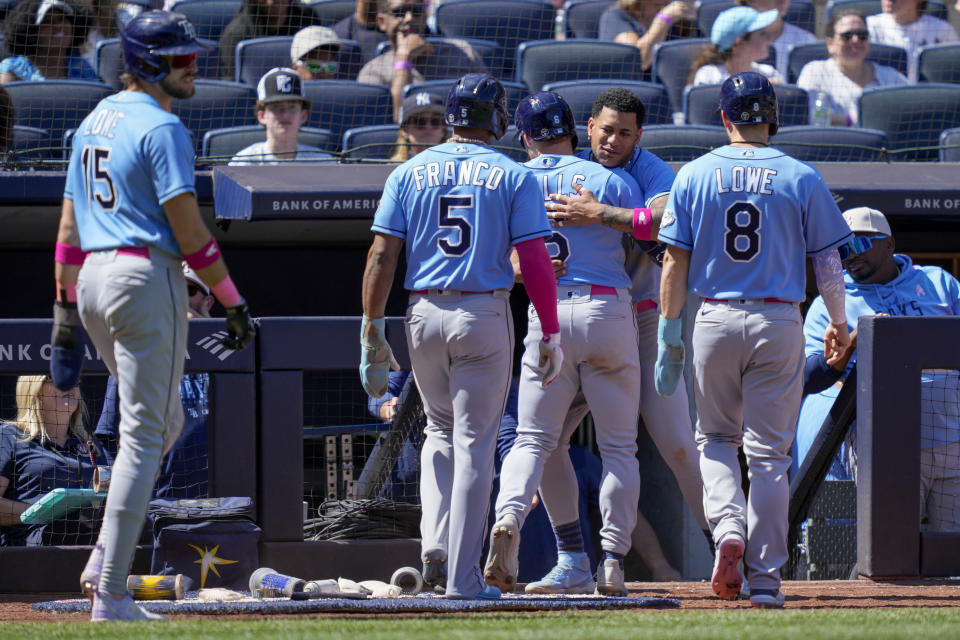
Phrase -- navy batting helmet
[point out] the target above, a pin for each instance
(153, 34)
(545, 115)
(478, 100)
(749, 98)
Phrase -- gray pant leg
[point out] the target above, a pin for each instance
(559, 489)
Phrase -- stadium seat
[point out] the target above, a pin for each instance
(516, 91)
(700, 104)
(671, 65)
(508, 22)
(912, 116)
(870, 7)
(339, 105)
(950, 138)
(832, 144)
(539, 63)
(54, 105)
(215, 105)
(256, 56)
(940, 62)
(489, 51)
(682, 143)
(209, 17)
(30, 143)
(330, 12)
(379, 142)
(580, 95)
(581, 18)
(801, 54)
(801, 14)
(220, 145)
(108, 60)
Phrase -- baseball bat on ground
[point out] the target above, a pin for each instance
(156, 587)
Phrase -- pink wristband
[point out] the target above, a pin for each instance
(207, 255)
(665, 18)
(642, 224)
(402, 65)
(67, 254)
(226, 292)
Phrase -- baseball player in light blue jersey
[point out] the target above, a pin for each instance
(739, 224)
(460, 206)
(879, 281)
(130, 204)
(600, 338)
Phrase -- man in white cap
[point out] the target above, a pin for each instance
(881, 282)
(313, 53)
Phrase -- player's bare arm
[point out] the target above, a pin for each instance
(192, 235)
(378, 274)
(673, 281)
(829, 274)
(585, 209)
(67, 234)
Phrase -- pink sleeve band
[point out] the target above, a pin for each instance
(207, 255)
(642, 224)
(66, 254)
(226, 292)
(539, 281)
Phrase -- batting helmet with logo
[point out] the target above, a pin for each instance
(749, 98)
(154, 34)
(478, 100)
(545, 115)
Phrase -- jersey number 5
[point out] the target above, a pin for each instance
(742, 240)
(96, 173)
(450, 220)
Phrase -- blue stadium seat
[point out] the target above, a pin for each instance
(950, 138)
(489, 51)
(54, 105)
(30, 143)
(801, 54)
(801, 13)
(209, 17)
(215, 105)
(580, 95)
(516, 91)
(700, 104)
(330, 12)
(832, 144)
(539, 63)
(581, 18)
(940, 62)
(256, 56)
(671, 66)
(108, 61)
(339, 105)
(508, 22)
(911, 116)
(379, 142)
(222, 144)
(682, 143)
(934, 8)
(510, 144)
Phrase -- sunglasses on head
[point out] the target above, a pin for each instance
(422, 122)
(315, 66)
(401, 12)
(193, 290)
(862, 35)
(182, 61)
(858, 245)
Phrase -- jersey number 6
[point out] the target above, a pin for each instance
(742, 240)
(450, 220)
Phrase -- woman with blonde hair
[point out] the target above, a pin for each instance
(421, 125)
(45, 447)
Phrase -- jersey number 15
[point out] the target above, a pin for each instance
(96, 174)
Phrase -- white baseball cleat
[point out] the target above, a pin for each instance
(727, 577)
(610, 580)
(90, 576)
(108, 607)
(503, 562)
(570, 575)
(767, 598)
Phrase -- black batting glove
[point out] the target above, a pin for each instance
(240, 328)
(66, 357)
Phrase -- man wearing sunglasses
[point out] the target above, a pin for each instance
(313, 53)
(411, 58)
(880, 281)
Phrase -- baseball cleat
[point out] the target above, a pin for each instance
(727, 577)
(90, 576)
(610, 579)
(502, 562)
(570, 575)
(767, 598)
(108, 607)
(487, 593)
(435, 570)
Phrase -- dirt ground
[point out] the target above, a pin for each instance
(839, 594)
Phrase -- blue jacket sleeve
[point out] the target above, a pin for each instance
(817, 374)
(394, 387)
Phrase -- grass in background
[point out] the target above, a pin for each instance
(807, 624)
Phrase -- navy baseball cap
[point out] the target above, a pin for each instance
(421, 102)
(737, 22)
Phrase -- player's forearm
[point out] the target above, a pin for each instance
(67, 234)
(656, 214)
(829, 274)
(673, 281)
(539, 281)
(10, 511)
(617, 218)
(378, 274)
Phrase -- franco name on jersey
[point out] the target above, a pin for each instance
(453, 173)
(745, 179)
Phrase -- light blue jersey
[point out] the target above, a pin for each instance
(720, 209)
(593, 253)
(129, 157)
(461, 208)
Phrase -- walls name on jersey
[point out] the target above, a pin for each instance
(103, 123)
(457, 173)
(745, 179)
(557, 187)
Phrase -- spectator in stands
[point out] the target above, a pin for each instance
(260, 18)
(902, 25)
(361, 26)
(845, 75)
(282, 109)
(421, 125)
(103, 25)
(882, 282)
(46, 447)
(645, 23)
(411, 58)
(740, 38)
(43, 37)
(313, 53)
(785, 35)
